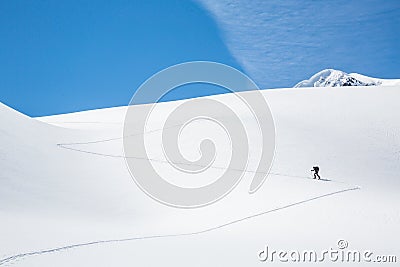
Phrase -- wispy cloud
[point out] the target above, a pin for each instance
(281, 42)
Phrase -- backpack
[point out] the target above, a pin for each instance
(316, 168)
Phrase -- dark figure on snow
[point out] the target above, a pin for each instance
(316, 171)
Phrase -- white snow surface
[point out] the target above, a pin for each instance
(337, 78)
(67, 198)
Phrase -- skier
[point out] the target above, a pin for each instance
(316, 170)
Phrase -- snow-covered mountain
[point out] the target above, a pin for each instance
(337, 78)
(67, 198)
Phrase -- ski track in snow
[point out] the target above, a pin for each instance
(112, 139)
(12, 259)
(25, 255)
(192, 164)
(68, 147)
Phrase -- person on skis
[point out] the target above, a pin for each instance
(316, 171)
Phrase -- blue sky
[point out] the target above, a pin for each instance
(282, 42)
(65, 56)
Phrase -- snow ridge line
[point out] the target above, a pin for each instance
(58, 249)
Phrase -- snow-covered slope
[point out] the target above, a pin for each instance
(337, 78)
(67, 198)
